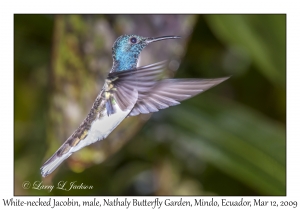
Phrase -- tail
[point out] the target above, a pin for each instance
(55, 160)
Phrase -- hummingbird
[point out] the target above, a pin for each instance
(128, 91)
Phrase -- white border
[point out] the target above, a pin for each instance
(154, 6)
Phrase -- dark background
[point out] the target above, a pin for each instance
(229, 140)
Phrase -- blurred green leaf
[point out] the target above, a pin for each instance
(263, 36)
(236, 139)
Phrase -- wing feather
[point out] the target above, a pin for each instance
(170, 92)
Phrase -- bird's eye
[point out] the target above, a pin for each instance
(133, 40)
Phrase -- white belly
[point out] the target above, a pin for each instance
(103, 126)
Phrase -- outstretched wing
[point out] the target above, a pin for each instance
(154, 95)
(170, 92)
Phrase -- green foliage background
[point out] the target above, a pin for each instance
(229, 140)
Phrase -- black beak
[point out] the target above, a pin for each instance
(156, 39)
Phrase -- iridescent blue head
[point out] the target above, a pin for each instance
(127, 48)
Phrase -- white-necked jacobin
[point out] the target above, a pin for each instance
(128, 91)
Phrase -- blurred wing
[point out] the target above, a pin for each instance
(141, 79)
(170, 92)
(96, 126)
